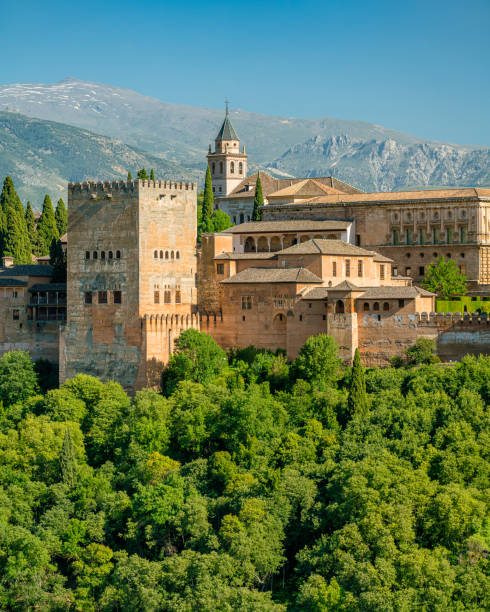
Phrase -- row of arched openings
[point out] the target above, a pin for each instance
(110, 255)
(167, 255)
(376, 307)
(232, 168)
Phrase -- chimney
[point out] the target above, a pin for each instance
(7, 262)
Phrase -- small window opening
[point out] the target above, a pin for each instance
(156, 297)
(87, 254)
(102, 255)
(102, 297)
(88, 297)
(110, 255)
(117, 297)
(118, 254)
(94, 255)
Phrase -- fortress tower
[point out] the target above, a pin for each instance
(228, 166)
(131, 278)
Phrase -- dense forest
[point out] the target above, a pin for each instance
(250, 484)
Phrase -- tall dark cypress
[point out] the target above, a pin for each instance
(152, 175)
(61, 217)
(57, 258)
(130, 176)
(15, 240)
(207, 203)
(357, 400)
(258, 199)
(47, 228)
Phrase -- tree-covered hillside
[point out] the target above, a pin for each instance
(251, 484)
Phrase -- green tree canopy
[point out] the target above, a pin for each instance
(14, 237)
(445, 279)
(357, 401)
(130, 176)
(46, 228)
(318, 361)
(152, 175)
(258, 199)
(18, 380)
(61, 217)
(31, 228)
(142, 174)
(207, 205)
(57, 258)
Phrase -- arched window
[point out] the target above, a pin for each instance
(375, 306)
(102, 255)
(161, 254)
(386, 307)
(249, 245)
(213, 168)
(240, 168)
(110, 254)
(118, 254)
(339, 307)
(155, 254)
(221, 167)
(94, 255)
(171, 255)
(166, 254)
(177, 255)
(242, 218)
(87, 254)
(232, 167)
(366, 307)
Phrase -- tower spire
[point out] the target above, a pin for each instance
(226, 104)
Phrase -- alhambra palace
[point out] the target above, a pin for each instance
(325, 258)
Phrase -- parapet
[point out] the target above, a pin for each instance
(107, 187)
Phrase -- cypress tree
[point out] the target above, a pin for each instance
(143, 174)
(57, 258)
(61, 217)
(357, 400)
(68, 460)
(31, 225)
(15, 240)
(152, 175)
(207, 203)
(130, 176)
(258, 199)
(46, 228)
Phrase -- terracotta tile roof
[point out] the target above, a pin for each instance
(246, 189)
(326, 247)
(379, 257)
(317, 293)
(394, 292)
(229, 255)
(305, 188)
(402, 196)
(274, 275)
(12, 282)
(305, 225)
(346, 286)
(27, 270)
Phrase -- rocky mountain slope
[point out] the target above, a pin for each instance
(367, 155)
(43, 156)
(387, 165)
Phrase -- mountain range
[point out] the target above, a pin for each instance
(101, 131)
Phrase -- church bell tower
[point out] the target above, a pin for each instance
(227, 164)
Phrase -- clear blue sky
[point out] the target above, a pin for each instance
(422, 67)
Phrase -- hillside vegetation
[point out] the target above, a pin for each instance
(251, 485)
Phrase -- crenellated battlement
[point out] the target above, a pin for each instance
(163, 322)
(106, 187)
(438, 320)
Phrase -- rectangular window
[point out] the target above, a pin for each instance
(408, 271)
(156, 297)
(421, 271)
(395, 237)
(246, 302)
(88, 297)
(382, 272)
(434, 236)
(449, 233)
(401, 303)
(14, 293)
(347, 267)
(334, 268)
(220, 268)
(359, 267)
(395, 271)
(102, 299)
(117, 297)
(16, 314)
(358, 239)
(422, 236)
(167, 297)
(177, 297)
(409, 236)
(463, 234)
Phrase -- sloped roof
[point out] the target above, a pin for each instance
(229, 255)
(252, 227)
(317, 293)
(274, 275)
(403, 196)
(270, 185)
(346, 286)
(27, 270)
(227, 131)
(379, 257)
(12, 282)
(326, 247)
(48, 287)
(394, 292)
(306, 188)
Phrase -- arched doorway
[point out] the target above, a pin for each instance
(275, 243)
(339, 307)
(249, 245)
(263, 245)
